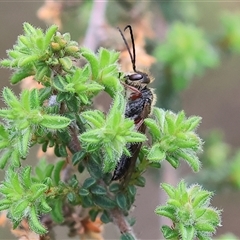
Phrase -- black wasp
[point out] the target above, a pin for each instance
(138, 108)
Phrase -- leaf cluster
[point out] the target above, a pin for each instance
(189, 208)
(173, 138)
(24, 198)
(185, 54)
(230, 31)
(37, 54)
(23, 117)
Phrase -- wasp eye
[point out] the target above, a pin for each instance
(135, 77)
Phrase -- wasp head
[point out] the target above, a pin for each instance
(139, 78)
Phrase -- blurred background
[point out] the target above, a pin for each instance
(192, 49)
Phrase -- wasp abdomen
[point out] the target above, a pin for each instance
(122, 166)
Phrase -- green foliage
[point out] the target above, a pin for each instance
(37, 54)
(24, 198)
(24, 117)
(61, 116)
(189, 209)
(174, 137)
(220, 164)
(104, 68)
(185, 54)
(110, 133)
(231, 31)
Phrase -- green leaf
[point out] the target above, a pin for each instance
(54, 122)
(34, 223)
(140, 181)
(180, 118)
(153, 128)
(71, 197)
(83, 192)
(23, 142)
(173, 161)
(20, 75)
(191, 158)
(73, 182)
(155, 165)
(34, 99)
(156, 154)
(211, 216)
(43, 74)
(26, 177)
(62, 150)
(194, 121)
(14, 180)
(28, 29)
(5, 156)
(66, 63)
(44, 93)
(60, 83)
(98, 190)
(57, 171)
(166, 211)
(91, 136)
(96, 118)
(93, 214)
(93, 61)
(5, 204)
(87, 201)
(39, 41)
(94, 170)
(49, 35)
(38, 190)
(104, 57)
(104, 202)
(201, 199)
(27, 60)
(114, 187)
(15, 158)
(132, 190)
(10, 99)
(89, 182)
(136, 137)
(170, 123)
(111, 82)
(105, 218)
(169, 233)
(198, 212)
(49, 169)
(170, 190)
(57, 213)
(20, 207)
(204, 227)
(45, 208)
(78, 157)
(187, 232)
(159, 115)
(121, 200)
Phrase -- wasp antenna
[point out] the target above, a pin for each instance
(132, 56)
